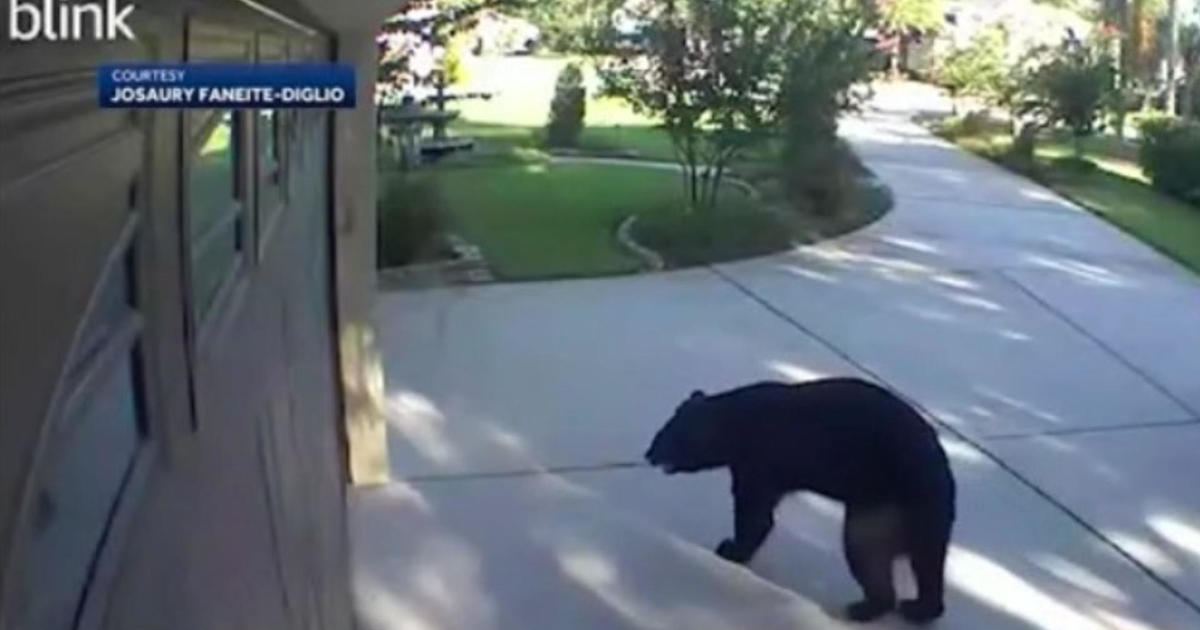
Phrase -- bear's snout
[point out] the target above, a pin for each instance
(656, 459)
(653, 457)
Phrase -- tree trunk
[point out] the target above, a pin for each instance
(1172, 53)
(1187, 108)
(1122, 83)
(694, 185)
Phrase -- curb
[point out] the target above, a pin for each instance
(651, 259)
(467, 267)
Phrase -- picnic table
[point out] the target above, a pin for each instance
(405, 125)
(407, 121)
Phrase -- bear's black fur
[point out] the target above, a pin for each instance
(846, 439)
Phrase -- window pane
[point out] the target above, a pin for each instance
(269, 173)
(215, 228)
(85, 470)
(212, 261)
(113, 305)
(212, 181)
(268, 145)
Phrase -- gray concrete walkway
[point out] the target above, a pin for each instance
(1061, 357)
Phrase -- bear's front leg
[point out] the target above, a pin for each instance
(753, 517)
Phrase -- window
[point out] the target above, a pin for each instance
(215, 196)
(215, 216)
(89, 455)
(269, 192)
(270, 137)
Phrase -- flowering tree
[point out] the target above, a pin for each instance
(415, 45)
(711, 71)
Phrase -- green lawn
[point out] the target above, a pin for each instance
(551, 220)
(535, 218)
(521, 141)
(1171, 226)
(640, 141)
(1116, 191)
(1108, 152)
(521, 104)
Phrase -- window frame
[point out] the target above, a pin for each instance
(270, 47)
(207, 41)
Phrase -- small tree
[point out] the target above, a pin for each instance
(567, 109)
(1072, 87)
(711, 72)
(977, 69)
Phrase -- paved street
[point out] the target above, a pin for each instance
(1060, 357)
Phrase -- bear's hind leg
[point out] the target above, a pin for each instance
(871, 542)
(928, 539)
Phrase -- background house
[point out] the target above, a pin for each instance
(1027, 23)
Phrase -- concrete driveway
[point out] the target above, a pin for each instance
(1061, 358)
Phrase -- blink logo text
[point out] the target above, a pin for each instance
(55, 21)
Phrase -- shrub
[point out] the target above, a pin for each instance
(1024, 145)
(825, 62)
(977, 69)
(567, 109)
(978, 122)
(1170, 155)
(411, 222)
(828, 184)
(1072, 86)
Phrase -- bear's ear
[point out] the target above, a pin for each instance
(696, 395)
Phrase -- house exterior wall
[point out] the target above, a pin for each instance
(162, 467)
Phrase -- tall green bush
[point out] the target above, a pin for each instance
(977, 69)
(827, 58)
(1170, 155)
(1073, 86)
(568, 108)
(411, 222)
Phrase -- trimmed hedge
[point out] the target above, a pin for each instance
(1170, 155)
(567, 109)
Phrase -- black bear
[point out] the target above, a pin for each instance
(846, 439)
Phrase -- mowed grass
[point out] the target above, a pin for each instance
(516, 113)
(537, 217)
(1171, 226)
(1117, 190)
(537, 221)
(1111, 154)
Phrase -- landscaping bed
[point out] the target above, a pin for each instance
(546, 220)
(541, 220)
(535, 211)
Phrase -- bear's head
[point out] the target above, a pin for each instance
(691, 441)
